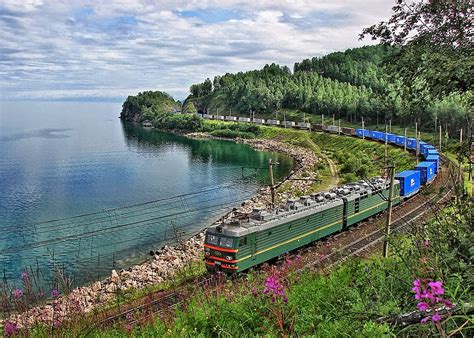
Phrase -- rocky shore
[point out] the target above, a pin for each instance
(167, 261)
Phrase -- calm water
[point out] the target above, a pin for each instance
(59, 160)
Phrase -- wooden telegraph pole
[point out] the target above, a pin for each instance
(389, 210)
(363, 130)
(440, 137)
(405, 147)
(385, 155)
(272, 182)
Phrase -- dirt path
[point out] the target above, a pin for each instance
(332, 166)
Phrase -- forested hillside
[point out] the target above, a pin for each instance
(350, 85)
(148, 106)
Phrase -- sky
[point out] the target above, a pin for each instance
(106, 50)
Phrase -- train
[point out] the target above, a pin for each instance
(247, 240)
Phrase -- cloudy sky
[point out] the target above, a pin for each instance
(106, 50)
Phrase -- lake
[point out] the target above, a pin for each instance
(84, 192)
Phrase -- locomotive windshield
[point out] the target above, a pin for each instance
(221, 241)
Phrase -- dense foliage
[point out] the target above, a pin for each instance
(148, 105)
(360, 82)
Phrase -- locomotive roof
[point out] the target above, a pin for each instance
(296, 208)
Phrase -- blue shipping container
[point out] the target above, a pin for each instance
(433, 158)
(390, 138)
(427, 171)
(364, 132)
(423, 145)
(432, 152)
(426, 148)
(409, 182)
(376, 135)
(400, 140)
(411, 143)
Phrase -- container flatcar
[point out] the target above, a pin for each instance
(230, 118)
(425, 149)
(259, 121)
(362, 132)
(400, 140)
(303, 125)
(433, 158)
(319, 127)
(411, 143)
(273, 122)
(219, 117)
(244, 119)
(207, 116)
(289, 124)
(409, 182)
(348, 131)
(390, 137)
(427, 172)
(376, 135)
(332, 129)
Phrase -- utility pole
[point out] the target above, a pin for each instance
(339, 129)
(440, 137)
(416, 146)
(322, 119)
(389, 210)
(405, 147)
(385, 156)
(272, 183)
(284, 119)
(333, 120)
(390, 123)
(460, 137)
(363, 130)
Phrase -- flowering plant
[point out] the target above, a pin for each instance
(429, 294)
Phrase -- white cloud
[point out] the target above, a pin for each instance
(62, 49)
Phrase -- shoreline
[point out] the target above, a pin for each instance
(170, 259)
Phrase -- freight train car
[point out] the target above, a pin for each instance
(348, 131)
(332, 129)
(244, 119)
(273, 122)
(427, 172)
(303, 125)
(409, 182)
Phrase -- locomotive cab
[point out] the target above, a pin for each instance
(220, 250)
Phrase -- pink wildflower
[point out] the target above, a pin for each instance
(9, 328)
(436, 317)
(17, 293)
(426, 243)
(436, 287)
(57, 323)
(54, 293)
(424, 320)
(422, 306)
(448, 304)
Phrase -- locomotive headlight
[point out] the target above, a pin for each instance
(229, 258)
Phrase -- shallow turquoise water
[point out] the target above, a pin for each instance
(59, 160)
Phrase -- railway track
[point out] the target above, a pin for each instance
(403, 222)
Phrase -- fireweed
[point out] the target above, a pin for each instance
(429, 294)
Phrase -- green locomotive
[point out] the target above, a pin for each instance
(252, 239)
